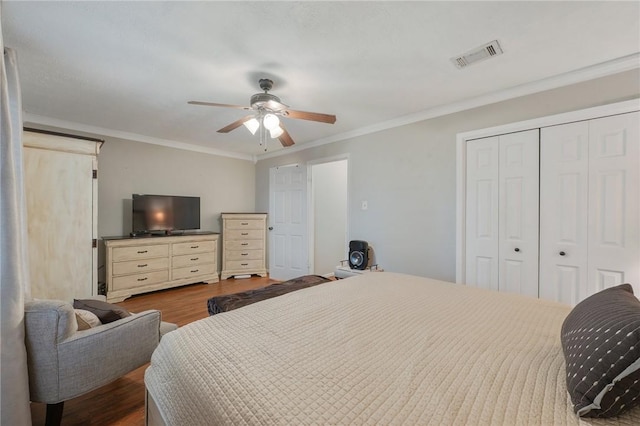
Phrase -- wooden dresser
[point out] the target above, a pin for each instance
(244, 237)
(140, 265)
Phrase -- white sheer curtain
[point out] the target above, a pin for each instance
(14, 275)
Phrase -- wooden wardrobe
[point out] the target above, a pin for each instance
(60, 174)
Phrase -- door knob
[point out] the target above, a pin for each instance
(562, 253)
(271, 228)
(516, 249)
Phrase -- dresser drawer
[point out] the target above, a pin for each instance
(139, 252)
(248, 234)
(142, 265)
(193, 259)
(193, 247)
(244, 224)
(244, 255)
(194, 271)
(126, 282)
(244, 245)
(239, 265)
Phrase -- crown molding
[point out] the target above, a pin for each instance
(625, 63)
(69, 125)
(604, 69)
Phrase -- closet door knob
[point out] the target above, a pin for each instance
(516, 249)
(562, 253)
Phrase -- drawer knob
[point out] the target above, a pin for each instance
(516, 249)
(144, 265)
(142, 279)
(142, 251)
(195, 258)
(194, 247)
(244, 254)
(244, 223)
(562, 253)
(194, 271)
(244, 244)
(244, 264)
(245, 233)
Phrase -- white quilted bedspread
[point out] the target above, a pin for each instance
(376, 349)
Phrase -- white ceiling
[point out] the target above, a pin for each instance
(129, 68)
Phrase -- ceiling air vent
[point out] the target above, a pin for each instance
(479, 54)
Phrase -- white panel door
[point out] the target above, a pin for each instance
(518, 212)
(288, 254)
(614, 202)
(564, 168)
(481, 245)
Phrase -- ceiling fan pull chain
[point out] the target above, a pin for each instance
(264, 135)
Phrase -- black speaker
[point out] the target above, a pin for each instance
(358, 254)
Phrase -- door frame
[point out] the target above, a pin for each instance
(551, 120)
(311, 204)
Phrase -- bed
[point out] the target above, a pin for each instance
(379, 348)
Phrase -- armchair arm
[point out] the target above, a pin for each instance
(94, 357)
(64, 363)
(46, 322)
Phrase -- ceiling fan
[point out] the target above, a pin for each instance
(266, 110)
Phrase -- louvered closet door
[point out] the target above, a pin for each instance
(502, 213)
(564, 177)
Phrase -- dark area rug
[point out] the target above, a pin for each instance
(219, 304)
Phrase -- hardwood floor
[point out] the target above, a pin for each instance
(122, 402)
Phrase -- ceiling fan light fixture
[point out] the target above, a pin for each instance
(252, 125)
(266, 108)
(270, 122)
(276, 132)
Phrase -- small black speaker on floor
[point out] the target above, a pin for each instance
(358, 254)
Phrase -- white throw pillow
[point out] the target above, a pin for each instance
(86, 319)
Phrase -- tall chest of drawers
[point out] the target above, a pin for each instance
(140, 265)
(244, 250)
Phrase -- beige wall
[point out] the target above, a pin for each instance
(127, 167)
(407, 174)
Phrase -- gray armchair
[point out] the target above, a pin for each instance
(64, 362)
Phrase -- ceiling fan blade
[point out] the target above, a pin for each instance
(218, 105)
(311, 116)
(235, 124)
(285, 137)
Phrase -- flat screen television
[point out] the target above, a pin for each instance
(164, 214)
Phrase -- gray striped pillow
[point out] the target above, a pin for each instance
(601, 343)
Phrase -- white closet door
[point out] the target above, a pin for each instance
(481, 257)
(518, 212)
(590, 207)
(564, 168)
(614, 204)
